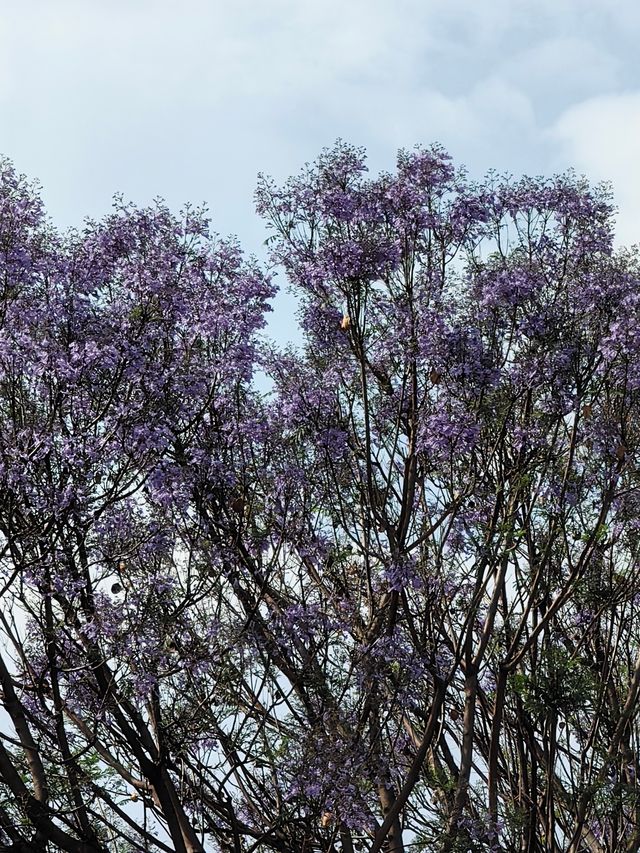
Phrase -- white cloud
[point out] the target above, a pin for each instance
(189, 100)
(564, 64)
(601, 137)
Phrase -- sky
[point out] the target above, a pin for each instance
(190, 99)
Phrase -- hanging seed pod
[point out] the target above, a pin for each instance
(237, 504)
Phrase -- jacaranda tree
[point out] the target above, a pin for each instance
(390, 604)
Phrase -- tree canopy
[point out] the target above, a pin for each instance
(388, 604)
